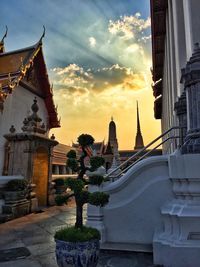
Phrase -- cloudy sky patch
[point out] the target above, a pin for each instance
(98, 55)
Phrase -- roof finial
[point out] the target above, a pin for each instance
(43, 34)
(5, 34)
(111, 118)
(2, 49)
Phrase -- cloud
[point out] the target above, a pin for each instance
(75, 80)
(92, 42)
(129, 27)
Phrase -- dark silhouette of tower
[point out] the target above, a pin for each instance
(138, 139)
(112, 136)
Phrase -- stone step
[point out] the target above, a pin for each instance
(127, 247)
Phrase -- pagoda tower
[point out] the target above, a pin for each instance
(112, 136)
(138, 139)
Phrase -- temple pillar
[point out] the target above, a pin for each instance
(56, 169)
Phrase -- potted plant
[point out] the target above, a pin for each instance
(59, 185)
(78, 246)
(16, 190)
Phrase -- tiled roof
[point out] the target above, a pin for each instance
(13, 68)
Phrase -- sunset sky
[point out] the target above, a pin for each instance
(98, 55)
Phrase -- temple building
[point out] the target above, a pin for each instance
(108, 150)
(27, 113)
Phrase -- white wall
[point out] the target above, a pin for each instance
(16, 107)
(133, 212)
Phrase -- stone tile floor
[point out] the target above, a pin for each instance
(35, 232)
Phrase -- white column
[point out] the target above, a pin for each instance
(188, 27)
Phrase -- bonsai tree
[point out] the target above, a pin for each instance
(82, 254)
(78, 186)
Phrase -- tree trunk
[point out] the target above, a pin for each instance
(83, 169)
(79, 215)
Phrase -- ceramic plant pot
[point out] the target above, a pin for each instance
(77, 254)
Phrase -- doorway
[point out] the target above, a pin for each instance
(40, 175)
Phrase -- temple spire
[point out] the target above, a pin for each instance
(2, 48)
(139, 139)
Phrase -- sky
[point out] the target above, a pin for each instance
(98, 56)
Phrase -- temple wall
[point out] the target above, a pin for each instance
(16, 107)
(182, 31)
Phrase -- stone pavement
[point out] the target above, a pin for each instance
(29, 242)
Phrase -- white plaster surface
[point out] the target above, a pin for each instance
(133, 211)
(178, 244)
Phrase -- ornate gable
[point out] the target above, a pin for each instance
(27, 67)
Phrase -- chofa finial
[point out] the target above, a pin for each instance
(43, 34)
(5, 34)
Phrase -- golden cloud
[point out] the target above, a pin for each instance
(129, 27)
(74, 80)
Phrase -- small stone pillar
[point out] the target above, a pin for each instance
(191, 79)
(95, 217)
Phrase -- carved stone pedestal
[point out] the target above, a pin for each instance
(178, 245)
(95, 215)
(17, 209)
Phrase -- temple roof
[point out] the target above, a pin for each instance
(158, 28)
(13, 68)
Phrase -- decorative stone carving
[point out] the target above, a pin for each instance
(178, 245)
(33, 122)
(181, 110)
(30, 155)
(191, 79)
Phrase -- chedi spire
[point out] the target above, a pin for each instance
(138, 139)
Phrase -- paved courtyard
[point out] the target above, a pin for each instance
(29, 242)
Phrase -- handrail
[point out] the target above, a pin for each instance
(144, 148)
(149, 152)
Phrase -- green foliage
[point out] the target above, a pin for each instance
(61, 199)
(96, 162)
(71, 154)
(59, 181)
(72, 234)
(75, 185)
(83, 197)
(85, 140)
(79, 233)
(96, 179)
(17, 185)
(72, 164)
(98, 199)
